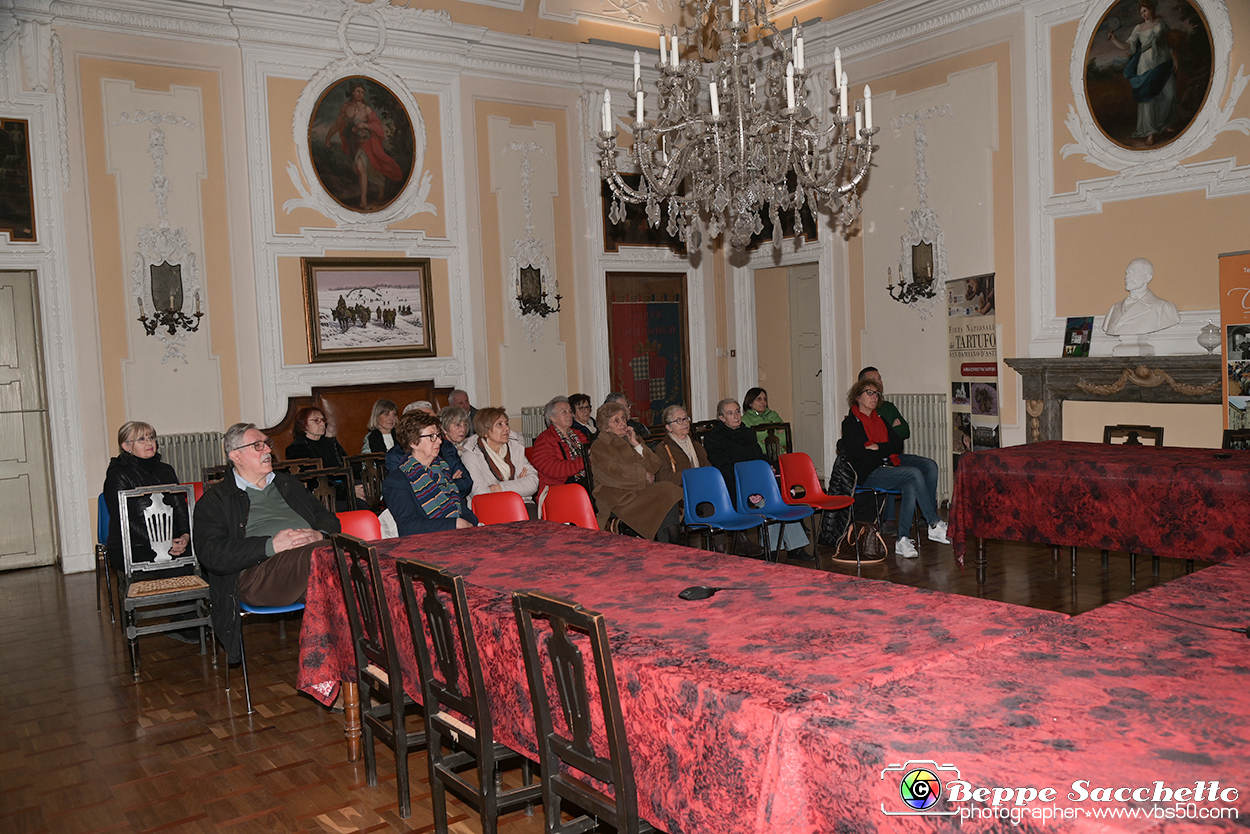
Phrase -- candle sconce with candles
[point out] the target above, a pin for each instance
(167, 283)
(921, 272)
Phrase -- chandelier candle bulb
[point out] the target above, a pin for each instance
(837, 63)
(140, 300)
(607, 111)
(715, 101)
(735, 11)
(639, 120)
(637, 71)
(663, 47)
(868, 106)
(197, 301)
(790, 89)
(859, 121)
(842, 99)
(673, 52)
(798, 54)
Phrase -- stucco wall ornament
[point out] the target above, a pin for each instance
(924, 235)
(414, 197)
(163, 247)
(1210, 121)
(1147, 377)
(528, 252)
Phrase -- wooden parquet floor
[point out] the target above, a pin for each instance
(84, 748)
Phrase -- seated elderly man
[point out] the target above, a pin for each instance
(255, 533)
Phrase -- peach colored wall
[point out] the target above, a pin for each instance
(1004, 201)
(491, 245)
(294, 310)
(110, 262)
(772, 323)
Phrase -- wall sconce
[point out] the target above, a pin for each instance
(921, 284)
(532, 297)
(167, 283)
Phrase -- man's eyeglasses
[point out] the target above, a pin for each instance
(259, 445)
(678, 421)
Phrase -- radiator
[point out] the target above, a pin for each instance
(928, 416)
(533, 423)
(190, 452)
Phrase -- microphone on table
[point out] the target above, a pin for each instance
(705, 591)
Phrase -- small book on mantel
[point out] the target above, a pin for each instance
(1076, 338)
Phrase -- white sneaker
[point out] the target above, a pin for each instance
(937, 533)
(904, 547)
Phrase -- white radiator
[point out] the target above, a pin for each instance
(533, 423)
(929, 418)
(190, 452)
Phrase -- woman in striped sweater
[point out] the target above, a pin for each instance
(420, 493)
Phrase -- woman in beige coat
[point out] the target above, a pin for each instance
(624, 474)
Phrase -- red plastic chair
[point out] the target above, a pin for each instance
(799, 473)
(362, 524)
(499, 508)
(569, 504)
(198, 486)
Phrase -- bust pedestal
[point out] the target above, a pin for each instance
(1133, 346)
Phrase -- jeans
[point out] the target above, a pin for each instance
(917, 479)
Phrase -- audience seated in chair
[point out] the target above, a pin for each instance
(419, 490)
(255, 532)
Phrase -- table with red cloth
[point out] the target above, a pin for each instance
(1123, 696)
(1160, 501)
(719, 695)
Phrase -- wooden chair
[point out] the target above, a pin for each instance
(460, 734)
(1133, 435)
(499, 507)
(1236, 439)
(369, 471)
(566, 752)
(778, 441)
(156, 601)
(377, 664)
(295, 466)
(570, 504)
(699, 429)
(328, 485)
(210, 475)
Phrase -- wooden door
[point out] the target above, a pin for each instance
(805, 364)
(28, 534)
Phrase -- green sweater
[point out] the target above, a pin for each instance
(889, 413)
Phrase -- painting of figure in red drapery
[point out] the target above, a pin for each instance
(362, 144)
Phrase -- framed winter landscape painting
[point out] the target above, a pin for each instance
(368, 308)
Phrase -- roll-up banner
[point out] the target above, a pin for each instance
(1235, 321)
(973, 349)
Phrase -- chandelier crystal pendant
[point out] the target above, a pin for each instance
(756, 148)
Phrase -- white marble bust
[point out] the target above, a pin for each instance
(1140, 312)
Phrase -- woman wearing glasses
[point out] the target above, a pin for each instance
(875, 452)
(678, 451)
(420, 492)
(139, 465)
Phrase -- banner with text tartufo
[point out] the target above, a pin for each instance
(1235, 324)
(973, 348)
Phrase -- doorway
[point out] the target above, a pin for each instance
(788, 339)
(28, 537)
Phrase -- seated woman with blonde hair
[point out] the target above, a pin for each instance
(420, 492)
(495, 459)
(624, 472)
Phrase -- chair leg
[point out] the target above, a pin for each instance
(99, 569)
(401, 768)
(1106, 559)
(1154, 565)
(247, 691)
(1132, 568)
(131, 625)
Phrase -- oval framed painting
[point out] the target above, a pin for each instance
(1148, 68)
(361, 144)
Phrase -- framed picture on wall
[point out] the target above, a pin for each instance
(360, 309)
(361, 142)
(1148, 69)
(648, 341)
(17, 202)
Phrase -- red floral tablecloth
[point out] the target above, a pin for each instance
(719, 695)
(1168, 501)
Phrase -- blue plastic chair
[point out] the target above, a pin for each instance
(755, 477)
(102, 567)
(706, 485)
(244, 610)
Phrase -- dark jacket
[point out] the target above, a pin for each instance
(410, 517)
(864, 460)
(326, 449)
(726, 446)
(225, 550)
(374, 444)
(129, 472)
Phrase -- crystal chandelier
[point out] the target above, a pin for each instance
(755, 148)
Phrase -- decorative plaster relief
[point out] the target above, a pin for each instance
(1211, 120)
(528, 251)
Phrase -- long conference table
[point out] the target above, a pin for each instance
(1159, 501)
(791, 700)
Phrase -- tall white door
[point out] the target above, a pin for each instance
(808, 408)
(28, 532)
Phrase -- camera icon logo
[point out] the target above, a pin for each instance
(919, 787)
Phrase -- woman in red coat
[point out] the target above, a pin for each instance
(559, 453)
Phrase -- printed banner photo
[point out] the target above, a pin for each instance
(973, 351)
(1235, 319)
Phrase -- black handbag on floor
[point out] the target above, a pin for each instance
(834, 523)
